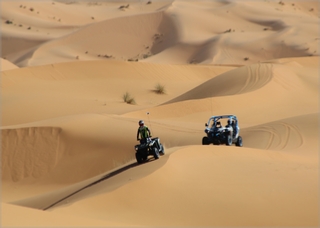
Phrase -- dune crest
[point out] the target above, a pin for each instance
(241, 80)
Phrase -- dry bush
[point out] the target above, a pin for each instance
(124, 7)
(128, 99)
(160, 89)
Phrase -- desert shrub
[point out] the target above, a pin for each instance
(128, 99)
(160, 89)
(124, 7)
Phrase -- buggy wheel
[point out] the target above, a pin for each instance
(161, 150)
(139, 158)
(205, 140)
(239, 141)
(155, 152)
(229, 140)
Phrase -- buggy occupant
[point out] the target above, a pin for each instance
(229, 126)
(236, 129)
(218, 125)
(143, 131)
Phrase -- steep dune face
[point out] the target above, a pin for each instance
(29, 152)
(47, 152)
(36, 158)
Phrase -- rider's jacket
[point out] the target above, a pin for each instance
(144, 132)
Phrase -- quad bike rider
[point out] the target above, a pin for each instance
(148, 146)
(143, 131)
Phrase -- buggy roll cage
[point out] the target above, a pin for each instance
(215, 119)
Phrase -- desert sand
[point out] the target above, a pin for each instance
(68, 136)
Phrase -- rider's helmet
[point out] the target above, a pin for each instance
(141, 123)
(230, 121)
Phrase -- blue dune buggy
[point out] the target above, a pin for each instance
(218, 134)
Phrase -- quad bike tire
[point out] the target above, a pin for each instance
(162, 150)
(239, 141)
(205, 141)
(155, 152)
(139, 158)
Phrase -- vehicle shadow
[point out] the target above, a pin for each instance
(103, 178)
(98, 184)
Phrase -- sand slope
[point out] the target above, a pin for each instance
(68, 136)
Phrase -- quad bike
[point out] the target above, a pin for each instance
(222, 135)
(150, 147)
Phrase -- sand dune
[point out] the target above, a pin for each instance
(226, 174)
(242, 34)
(68, 136)
(96, 87)
(142, 41)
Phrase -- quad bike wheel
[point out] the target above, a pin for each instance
(139, 158)
(155, 152)
(205, 141)
(162, 150)
(239, 141)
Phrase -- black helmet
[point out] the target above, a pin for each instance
(229, 121)
(141, 122)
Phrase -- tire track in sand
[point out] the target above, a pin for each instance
(280, 136)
